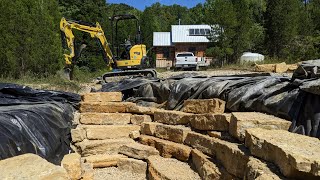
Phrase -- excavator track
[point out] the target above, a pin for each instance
(142, 72)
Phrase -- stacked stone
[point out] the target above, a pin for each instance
(239, 145)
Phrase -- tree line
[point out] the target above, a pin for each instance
(30, 41)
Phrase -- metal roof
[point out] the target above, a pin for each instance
(162, 39)
(180, 34)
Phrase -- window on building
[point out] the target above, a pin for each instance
(199, 32)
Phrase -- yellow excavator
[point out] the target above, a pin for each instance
(129, 59)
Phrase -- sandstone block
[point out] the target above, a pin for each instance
(109, 131)
(172, 133)
(169, 169)
(265, 67)
(30, 166)
(296, 155)
(138, 151)
(78, 134)
(107, 146)
(201, 106)
(281, 67)
(148, 128)
(240, 121)
(105, 107)
(71, 162)
(257, 169)
(135, 109)
(216, 122)
(172, 117)
(232, 156)
(102, 97)
(134, 134)
(87, 171)
(139, 119)
(167, 149)
(205, 168)
(105, 118)
(103, 160)
(76, 118)
(132, 165)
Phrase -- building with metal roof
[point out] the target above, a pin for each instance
(182, 38)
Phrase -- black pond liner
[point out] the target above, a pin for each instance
(35, 121)
(296, 99)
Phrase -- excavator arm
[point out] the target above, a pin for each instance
(95, 31)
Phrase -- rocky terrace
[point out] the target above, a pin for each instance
(120, 140)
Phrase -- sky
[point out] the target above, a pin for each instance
(141, 4)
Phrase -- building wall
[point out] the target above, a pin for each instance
(197, 48)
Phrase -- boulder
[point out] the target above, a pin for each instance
(296, 155)
(138, 151)
(102, 97)
(169, 169)
(72, 163)
(95, 132)
(107, 146)
(172, 133)
(240, 121)
(30, 166)
(201, 106)
(167, 149)
(139, 119)
(210, 122)
(172, 117)
(105, 118)
(103, 160)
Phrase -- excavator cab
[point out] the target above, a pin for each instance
(131, 54)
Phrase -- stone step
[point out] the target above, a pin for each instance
(166, 148)
(135, 109)
(172, 133)
(100, 132)
(234, 157)
(210, 122)
(201, 106)
(138, 151)
(170, 169)
(256, 169)
(172, 117)
(103, 160)
(105, 107)
(139, 119)
(240, 121)
(296, 155)
(102, 97)
(148, 128)
(105, 118)
(107, 146)
(206, 168)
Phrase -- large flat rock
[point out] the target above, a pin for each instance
(172, 117)
(201, 106)
(30, 166)
(240, 121)
(232, 156)
(102, 97)
(210, 122)
(170, 169)
(96, 132)
(103, 160)
(135, 109)
(166, 148)
(138, 151)
(171, 132)
(104, 107)
(296, 155)
(107, 146)
(105, 118)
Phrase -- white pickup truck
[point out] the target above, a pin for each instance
(186, 60)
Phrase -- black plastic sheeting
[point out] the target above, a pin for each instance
(297, 100)
(35, 121)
